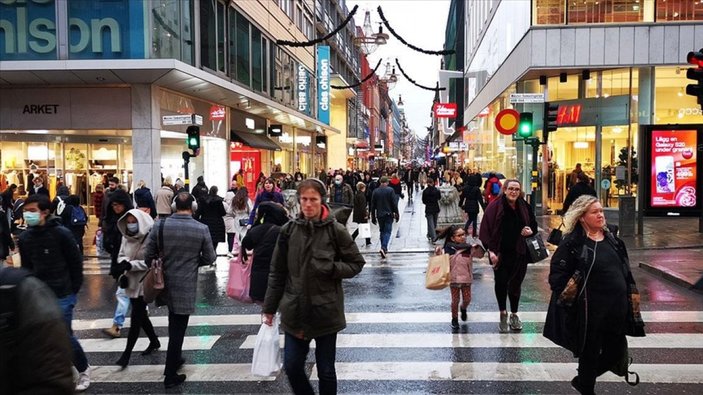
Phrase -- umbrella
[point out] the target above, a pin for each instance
(499, 175)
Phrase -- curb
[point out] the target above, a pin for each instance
(670, 275)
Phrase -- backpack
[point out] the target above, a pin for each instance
(78, 217)
(61, 206)
(495, 188)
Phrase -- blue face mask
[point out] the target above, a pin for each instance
(133, 228)
(32, 218)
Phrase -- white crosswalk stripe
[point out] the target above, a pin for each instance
(118, 345)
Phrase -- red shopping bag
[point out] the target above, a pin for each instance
(239, 276)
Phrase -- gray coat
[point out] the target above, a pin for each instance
(187, 245)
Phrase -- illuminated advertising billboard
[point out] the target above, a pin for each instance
(673, 169)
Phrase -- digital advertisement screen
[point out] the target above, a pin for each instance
(673, 168)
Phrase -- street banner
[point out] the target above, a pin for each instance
(323, 84)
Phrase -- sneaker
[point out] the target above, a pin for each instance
(112, 332)
(83, 380)
(455, 323)
(503, 326)
(383, 253)
(463, 314)
(515, 323)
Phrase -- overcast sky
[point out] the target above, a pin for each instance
(421, 23)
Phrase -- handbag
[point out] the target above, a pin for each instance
(239, 281)
(243, 221)
(556, 235)
(437, 274)
(535, 248)
(153, 280)
(365, 231)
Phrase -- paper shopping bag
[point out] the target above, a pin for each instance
(437, 275)
(365, 231)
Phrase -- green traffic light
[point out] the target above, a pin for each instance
(525, 126)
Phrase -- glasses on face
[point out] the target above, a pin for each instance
(513, 189)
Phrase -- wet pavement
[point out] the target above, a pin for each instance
(398, 338)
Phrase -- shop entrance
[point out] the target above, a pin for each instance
(248, 159)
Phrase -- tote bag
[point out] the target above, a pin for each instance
(239, 276)
(365, 231)
(437, 275)
(536, 251)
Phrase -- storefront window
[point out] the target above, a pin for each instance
(672, 104)
(171, 36)
(549, 12)
(679, 10)
(563, 90)
(605, 11)
(283, 160)
(208, 35)
(303, 149)
(256, 61)
(613, 83)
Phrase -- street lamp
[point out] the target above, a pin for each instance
(389, 77)
(366, 39)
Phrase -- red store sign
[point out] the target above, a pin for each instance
(445, 110)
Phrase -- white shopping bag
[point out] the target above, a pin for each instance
(365, 231)
(267, 353)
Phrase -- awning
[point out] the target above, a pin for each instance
(260, 141)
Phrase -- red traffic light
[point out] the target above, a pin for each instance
(695, 58)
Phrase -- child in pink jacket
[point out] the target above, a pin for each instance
(461, 268)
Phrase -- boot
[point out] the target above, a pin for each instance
(455, 323)
(124, 360)
(154, 345)
(113, 332)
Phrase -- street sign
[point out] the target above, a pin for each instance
(192, 119)
(507, 121)
(445, 110)
(526, 98)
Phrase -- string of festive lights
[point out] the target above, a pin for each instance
(415, 83)
(371, 74)
(319, 40)
(402, 40)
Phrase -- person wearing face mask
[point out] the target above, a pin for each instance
(135, 226)
(49, 251)
(507, 221)
(341, 192)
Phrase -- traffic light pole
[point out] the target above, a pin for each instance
(186, 161)
(534, 174)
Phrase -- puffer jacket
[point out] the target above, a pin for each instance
(229, 213)
(50, 253)
(133, 248)
(164, 198)
(309, 262)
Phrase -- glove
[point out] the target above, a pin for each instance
(373, 221)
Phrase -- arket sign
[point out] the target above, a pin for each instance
(445, 110)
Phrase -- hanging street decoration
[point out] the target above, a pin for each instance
(402, 40)
(371, 74)
(437, 89)
(319, 40)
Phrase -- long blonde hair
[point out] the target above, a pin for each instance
(577, 210)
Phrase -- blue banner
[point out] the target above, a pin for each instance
(323, 84)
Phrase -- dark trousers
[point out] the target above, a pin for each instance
(508, 280)
(356, 233)
(472, 219)
(605, 340)
(230, 241)
(177, 325)
(140, 319)
(295, 352)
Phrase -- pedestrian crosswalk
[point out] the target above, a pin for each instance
(218, 349)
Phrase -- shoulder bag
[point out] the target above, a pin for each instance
(153, 280)
(556, 235)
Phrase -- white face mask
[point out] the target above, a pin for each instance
(133, 228)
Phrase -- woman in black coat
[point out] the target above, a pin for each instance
(211, 212)
(361, 212)
(591, 315)
(471, 199)
(262, 239)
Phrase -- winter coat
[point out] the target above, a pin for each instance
(423, 178)
(491, 225)
(566, 326)
(37, 342)
(430, 198)
(394, 183)
(144, 200)
(264, 196)
(50, 253)
(488, 189)
(164, 198)
(186, 246)
(232, 224)
(61, 194)
(361, 213)
(98, 204)
(347, 195)
(211, 212)
(133, 248)
(309, 262)
(112, 238)
(383, 203)
(199, 191)
(229, 213)
(262, 239)
(470, 199)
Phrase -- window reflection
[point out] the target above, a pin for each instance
(605, 11)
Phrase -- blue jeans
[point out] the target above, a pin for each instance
(295, 352)
(122, 307)
(67, 303)
(385, 226)
(431, 225)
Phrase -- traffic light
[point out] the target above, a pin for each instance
(550, 120)
(696, 74)
(193, 139)
(524, 129)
